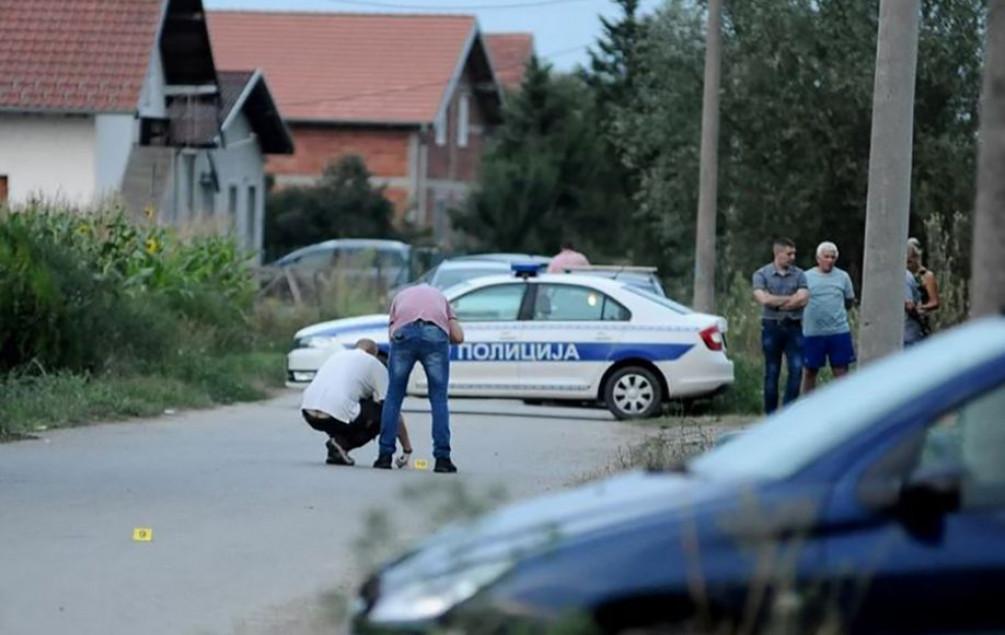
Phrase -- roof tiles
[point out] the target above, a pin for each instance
(510, 53)
(346, 67)
(75, 55)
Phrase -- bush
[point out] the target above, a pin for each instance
(88, 291)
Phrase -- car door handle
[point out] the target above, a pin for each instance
(506, 336)
(604, 337)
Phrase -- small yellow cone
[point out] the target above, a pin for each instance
(143, 534)
(421, 464)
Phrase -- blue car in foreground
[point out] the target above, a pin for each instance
(874, 505)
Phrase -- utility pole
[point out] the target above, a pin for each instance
(889, 201)
(708, 179)
(987, 283)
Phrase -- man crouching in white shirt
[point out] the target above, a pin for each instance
(345, 401)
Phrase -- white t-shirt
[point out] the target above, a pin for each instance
(342, 381)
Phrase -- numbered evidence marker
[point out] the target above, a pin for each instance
(421, 464)
(143, 534)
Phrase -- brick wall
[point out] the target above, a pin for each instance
(385, 150)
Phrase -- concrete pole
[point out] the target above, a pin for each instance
(889, 201)
(708, 179)
(987, 285)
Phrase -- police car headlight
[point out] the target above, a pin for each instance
(317, 341)
(428, 599)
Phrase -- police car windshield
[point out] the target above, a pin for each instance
(660, 300)
(446, 278)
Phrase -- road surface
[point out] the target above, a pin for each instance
(251, 532)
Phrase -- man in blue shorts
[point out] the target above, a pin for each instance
(826, 333)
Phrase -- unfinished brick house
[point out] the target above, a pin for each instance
(414, 95)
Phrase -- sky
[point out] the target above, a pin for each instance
(563, 29)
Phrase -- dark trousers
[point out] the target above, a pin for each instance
(354, 434)
(780, 337)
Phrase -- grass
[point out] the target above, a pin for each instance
(30, 403)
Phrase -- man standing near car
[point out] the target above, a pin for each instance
(422, 327)
(566, 258)
(344, 401)
(826, 332)
(780, 288)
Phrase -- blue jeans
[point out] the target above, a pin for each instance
(427, 344)
(778, 337)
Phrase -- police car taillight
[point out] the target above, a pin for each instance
(712, 338)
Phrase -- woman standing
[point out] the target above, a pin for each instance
(927, 298)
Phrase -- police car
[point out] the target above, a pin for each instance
(556, 337)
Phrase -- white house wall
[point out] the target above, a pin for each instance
(115, 136)
(241, 165)
(52, 156)
(152, 100)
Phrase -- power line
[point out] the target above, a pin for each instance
(455, 7)
(406, 88)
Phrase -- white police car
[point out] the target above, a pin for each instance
(556, 336)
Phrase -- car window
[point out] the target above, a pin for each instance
(314, 260)
(561, 302)
(971, 437)
(499, 302)
(663, 301)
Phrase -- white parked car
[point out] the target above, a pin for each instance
(556, 337)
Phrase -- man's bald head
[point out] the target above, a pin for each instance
(367, 345)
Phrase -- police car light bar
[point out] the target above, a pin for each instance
(526, 269)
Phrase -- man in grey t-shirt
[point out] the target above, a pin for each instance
(780, 288)
(826, 333)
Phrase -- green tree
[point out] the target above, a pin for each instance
(546, 176)
(344, 204)
(796, 108)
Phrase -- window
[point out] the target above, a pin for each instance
(3, 189)
(440, 127)
(208, 199)
(232, 205)
(971, 438)
(490, 304)
(249, 226)
(570, 303)
(462, 121)
(189, 167)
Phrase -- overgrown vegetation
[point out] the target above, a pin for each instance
(103, 317)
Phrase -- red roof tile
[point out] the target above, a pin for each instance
(75, 55)
(510, 53)
(344, 66)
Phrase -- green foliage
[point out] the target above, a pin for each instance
(546, 177)
(93, 291)
(796, 121)
(342, 205)
(31, 401)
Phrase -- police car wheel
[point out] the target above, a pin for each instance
(633, 392)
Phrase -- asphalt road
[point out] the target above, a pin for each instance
(251, 532)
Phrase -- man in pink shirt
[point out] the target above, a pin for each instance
(422, 327)
(566, 258)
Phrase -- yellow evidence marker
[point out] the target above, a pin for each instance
(143, 534)
(421, 464)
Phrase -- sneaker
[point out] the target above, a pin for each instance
(336, 455)
(445, 465)
(383, 462)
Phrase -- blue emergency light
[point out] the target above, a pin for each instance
(525, 269)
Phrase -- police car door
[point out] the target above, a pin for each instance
(572, 334)
(486, 363)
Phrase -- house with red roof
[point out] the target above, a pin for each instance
(414, 95)
(510, 54)
(121, 98)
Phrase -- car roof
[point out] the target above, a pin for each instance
(500, 257)
(603, 284)
(335, 243)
